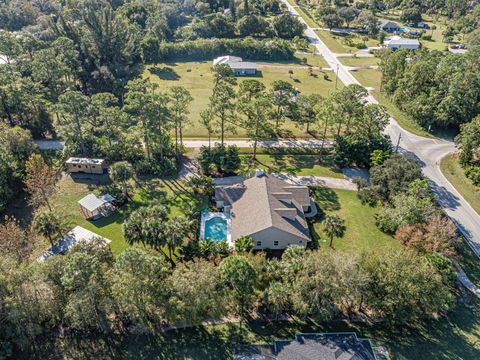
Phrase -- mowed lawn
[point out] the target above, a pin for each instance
(339, 44)
(452, 170)
(197, 77)
(359, 61)
(302, 165)
(170, 193)
(361, 232)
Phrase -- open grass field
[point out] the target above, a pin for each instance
(361, 232)
(368, 77)
(452, 170)
(197, 77)
(170, 193)
(359, 61)
(453, 337)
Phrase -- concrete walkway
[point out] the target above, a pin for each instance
(305, 143)
(309, 143)
(322, 181)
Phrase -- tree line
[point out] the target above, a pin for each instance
(433, 88)
(346, 116)
(88, 291)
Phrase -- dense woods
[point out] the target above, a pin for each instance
(90, 291)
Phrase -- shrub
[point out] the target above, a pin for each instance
(355, 149)
(473, 173)
(207, 49)
(244, 244)
(367, 196)
(219, 160)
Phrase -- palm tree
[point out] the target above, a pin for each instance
(177, 229)
(48, 224)
(333, 226)
(122, 172)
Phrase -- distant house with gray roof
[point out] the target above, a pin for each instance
(239, 67)
(324, 346)
(390, 26)
(271, 211)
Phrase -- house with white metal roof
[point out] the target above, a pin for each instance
(398, 42)
(239, 67)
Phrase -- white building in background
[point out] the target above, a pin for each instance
(398, 42)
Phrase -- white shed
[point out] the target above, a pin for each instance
(93, 207)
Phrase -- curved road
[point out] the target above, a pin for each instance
(427, 151)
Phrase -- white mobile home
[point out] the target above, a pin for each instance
(86, 165)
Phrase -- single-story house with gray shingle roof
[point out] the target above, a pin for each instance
(390, 26)
(268, 209)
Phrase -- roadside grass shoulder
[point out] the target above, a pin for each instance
(454, 173)
(359, 61)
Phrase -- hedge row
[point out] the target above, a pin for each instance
(207, 49)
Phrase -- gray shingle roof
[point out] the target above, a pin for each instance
(258, 204)
(328, 346)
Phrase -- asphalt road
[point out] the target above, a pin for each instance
(427, 151)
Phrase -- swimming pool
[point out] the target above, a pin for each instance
(216, 226)
(216, 229)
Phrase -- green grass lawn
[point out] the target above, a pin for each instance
(170, 193)
(361, 232)
(302, 165)
(359, 61)
(339, 44)
(312, 60)
(368, 77)
(455, 174)
(197, 77)
(453, 337)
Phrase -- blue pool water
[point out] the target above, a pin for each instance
(216, 229)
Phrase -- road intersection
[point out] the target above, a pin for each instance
(427, 151)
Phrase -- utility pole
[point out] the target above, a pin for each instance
(336, 78)
(398, 142)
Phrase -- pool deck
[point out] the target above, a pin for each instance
(210, 215)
